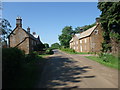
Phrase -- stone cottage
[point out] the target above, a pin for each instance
(89, 40)
(23, 39)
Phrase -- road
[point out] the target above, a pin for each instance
(64, 70)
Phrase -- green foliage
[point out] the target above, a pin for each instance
(110, 21)
(12, 62)
(46, 45)
(83, 28)
(49, 51)
(68, 32)
(68, 50)
(86, 27)
(39, 47)
(18, 67)
(30, 57)
(55, 46)
(66, 36)
(116, 36)
(5, 29)
(106, 47)
(106, 59)
(72, 51)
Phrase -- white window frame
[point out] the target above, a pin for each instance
(80, 41)
(85, 40)
(81, 48)
(96, 32)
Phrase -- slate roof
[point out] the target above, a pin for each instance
(87, 32)
(30, 35)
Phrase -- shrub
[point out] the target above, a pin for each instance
(68, 50)
(12, 62)
(31, 56)
(49, 51)
(107, 57)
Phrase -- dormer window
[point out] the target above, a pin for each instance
(96, 32)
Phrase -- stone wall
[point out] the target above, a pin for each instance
(18, 36)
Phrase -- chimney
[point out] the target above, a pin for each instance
(18, 22)
(34, 33)
(97, 20)
(28, 29)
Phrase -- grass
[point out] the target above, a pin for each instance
(71, 51)
(108, 60)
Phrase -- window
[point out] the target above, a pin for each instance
(85, 40)
(74, 47)
(76, 42)
(96, 31)
(81, 48)
(80, 41)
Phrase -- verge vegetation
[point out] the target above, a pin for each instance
(71, 51)
(107, 60)
(20, 70)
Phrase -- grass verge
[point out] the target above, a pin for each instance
(71, 51)
(110, 61)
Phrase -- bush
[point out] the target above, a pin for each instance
(12, 62)
(68, 50)
(49, 51)
(107, 57)
(30, 57)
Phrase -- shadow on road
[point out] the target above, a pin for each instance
(62, 71)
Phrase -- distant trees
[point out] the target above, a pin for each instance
(55, 46)
(83, 28)
(66, 36)
(68, 32)
(46, 45)
(39, 47)
(110, 21)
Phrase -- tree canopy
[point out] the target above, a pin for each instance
(5, 29)
(83, 28)
(110, 21)
(66, 36)
(55, 45)
(46, 45)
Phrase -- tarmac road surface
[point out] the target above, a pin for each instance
(64, 70)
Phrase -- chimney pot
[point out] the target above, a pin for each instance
(28, 29)
(19, 22)
(97, 20)
(34, 33)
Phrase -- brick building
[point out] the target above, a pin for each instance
(89, 40)
(23, 39)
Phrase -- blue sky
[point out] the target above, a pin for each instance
(48, 19)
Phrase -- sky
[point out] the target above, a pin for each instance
(48, 19)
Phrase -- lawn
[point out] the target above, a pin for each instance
(108, 60)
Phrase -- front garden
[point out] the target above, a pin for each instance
(20, 70)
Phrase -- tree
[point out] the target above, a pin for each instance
(83, 28)
(46, 45)
(5, 29)
(55, 46)
(39, 47)
(66, 36)
(110, 21)
(86, 27)
(78, 30)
